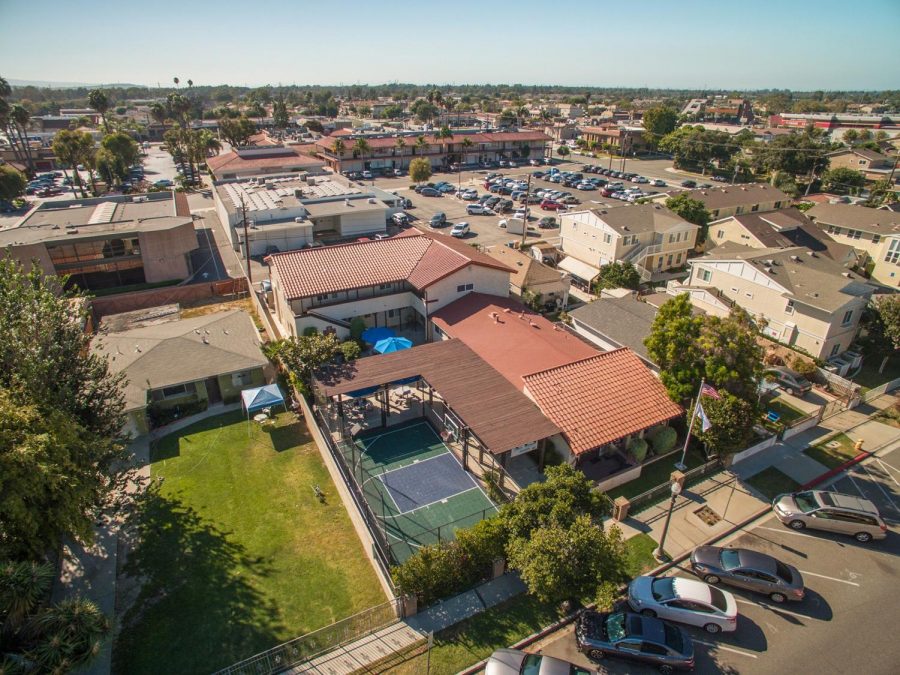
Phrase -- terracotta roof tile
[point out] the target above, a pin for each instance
(601, 399)
(294, 157)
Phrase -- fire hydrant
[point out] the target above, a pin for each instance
(858, 446)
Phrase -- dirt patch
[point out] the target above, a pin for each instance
(707, 515)
(213, 305)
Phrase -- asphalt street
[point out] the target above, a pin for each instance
(843, 625)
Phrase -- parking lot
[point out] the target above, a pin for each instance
(843, 625)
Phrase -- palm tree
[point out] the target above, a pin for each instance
(71, 633)
(20, 118)
(99, 101)
(67, 149)
(421, 144)
(176, 81)
(361, 148)
(338, 147)
(466, 145)
(400, 145)
(23, 585)
(443, 135)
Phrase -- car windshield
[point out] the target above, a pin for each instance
(806, 501)
(531, 665)
(663, 589)
(615, 627)
(718, 599)
(674, 639)
(783, 571)
(729, 559)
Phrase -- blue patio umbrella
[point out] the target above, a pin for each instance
(373, 335)
(394, 344)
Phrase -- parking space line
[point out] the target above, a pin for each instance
(883, 464)
(822, 576)
(883, 491)
(725, 649)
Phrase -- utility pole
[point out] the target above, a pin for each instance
(527, 210)
(246, 239)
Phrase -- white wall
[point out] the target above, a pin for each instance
(353, 224)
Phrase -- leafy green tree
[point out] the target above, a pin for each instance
(732, 358)
(617, 275)
(563, 152)
(731, 419)
(280, 117)
(797, 154)
(70, 148)
(361, 148)
(882, 323)
(350, 350)
(672, 344)
(882, 192)
(357, 328)
(434, 571)
(419, 169)
(423, 110)
(841, 180)
(785, 182)
(305, 354)
(659, 121)
(12, 183)
(560, 562)
(236, 131)
(693, 211)
(99, 101)
(118, 153)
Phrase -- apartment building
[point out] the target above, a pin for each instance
(797, 296)
(873, 232)
(650, 236)
(107, 242)
(396, 282)
(873, 165)
(628, 140)
(533, 276)
(735, 200)
(397, 150)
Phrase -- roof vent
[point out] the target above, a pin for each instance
(506, 310)
(532, 323)
(769, 270)
(55, 226)
(795, 258)
(299, 219)
(372, 200)
(347, 202)
(205, 340)
(847, 274)
(811, 254)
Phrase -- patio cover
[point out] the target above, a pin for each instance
(262, 397)
(578, 268)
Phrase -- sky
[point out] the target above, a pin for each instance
(793, 44)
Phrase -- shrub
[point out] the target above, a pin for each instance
(309, 331)
(357, 326)
(350, 349)
(231, 398)
(806, 368)
(662, 440)
(495, 492)
(431, 573)
(638, 448)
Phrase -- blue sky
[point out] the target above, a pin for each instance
(656, 43)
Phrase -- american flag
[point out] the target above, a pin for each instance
(709, 391)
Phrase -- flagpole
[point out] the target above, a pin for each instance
(681, 466)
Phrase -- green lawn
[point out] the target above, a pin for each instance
(656, 473)
(639, 550)
(832, 456)
(237, 554)
(772, 482)
(787, 413)
(868, 377)
(475, 639)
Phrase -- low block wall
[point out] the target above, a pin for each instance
(618, 479)
(154, 297)
(801, 426)
(752, 450)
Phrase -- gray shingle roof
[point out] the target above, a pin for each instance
(626, 321)
(738, 195)
(873, 221)
(637, 218)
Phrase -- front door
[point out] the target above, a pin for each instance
(213, 390)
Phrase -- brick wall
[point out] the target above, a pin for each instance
(127, 302)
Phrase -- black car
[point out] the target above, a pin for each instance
(547, 223)
(632, 636)
(689, 183)
(439, 219)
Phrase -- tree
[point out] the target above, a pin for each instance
(99, 101)
(693, 211)
(314, 125)
(444, 135)
(568, 563)
(72, 633)
(24, 585)
(236, 131)
(660, 120)
(797, 154)
(421, 144)
(12, 183)
(617, 275)
(672, 344)
(280, 117)
(731, 419)
(882, 192)
(842, 180)
(118, 153)
(350, 350)
(305, 354)
(338, 147)
(419, 169)
(361, 148)
(882, 322)
(785, 182)
(69, 149)
(563, 152)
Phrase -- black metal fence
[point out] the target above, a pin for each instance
(657, 494)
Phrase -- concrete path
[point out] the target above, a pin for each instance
(363, 654)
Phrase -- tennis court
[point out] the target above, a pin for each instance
(416, 487)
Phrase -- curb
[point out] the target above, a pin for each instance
(831, 473)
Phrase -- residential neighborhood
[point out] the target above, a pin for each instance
(443, 353)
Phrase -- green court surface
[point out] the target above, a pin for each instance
(406, 448)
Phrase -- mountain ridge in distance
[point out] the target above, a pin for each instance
(50, 84)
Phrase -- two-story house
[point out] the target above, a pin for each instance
(735, 200)
(650, 236)
(875, 232)
(532, 276)
(797, 296)
(396, 282)
(873, 165)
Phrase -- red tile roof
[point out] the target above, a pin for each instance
(420, 259)
(293, 157)
(601, 399)
(516, 342)
(391, 141)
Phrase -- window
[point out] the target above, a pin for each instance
(678, 259)
(650, 648)
(848, 315)
(777, 205)
(720, 234)
(854, 234)
(835, 349)
(739, 210)
(607, 237)
(862, 162)
(789, 309)
(834, 230)
(669, 261)
(391, 313)
(462, 288)
(876, 238)
(754, 208)
(893, 253)
(242, 379)
(705, 275)
(172, 392)
(715, 214)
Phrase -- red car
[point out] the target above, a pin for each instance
(550, 205)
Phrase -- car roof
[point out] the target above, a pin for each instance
(651, 629)
(691, 589)
(845, 501)
(756, 560)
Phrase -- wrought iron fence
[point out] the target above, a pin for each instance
(655, 495)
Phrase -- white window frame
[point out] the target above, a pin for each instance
(848, 318)
(789, 308)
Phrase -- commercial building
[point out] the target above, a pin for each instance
(397, 150)
(797, 296)
(650, 236)
(265, 160)
(831, 121)
(284, 213)
(397, 282)
(106, 242)
(626, 140)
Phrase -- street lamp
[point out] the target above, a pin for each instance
(659, 553)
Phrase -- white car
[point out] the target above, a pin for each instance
(640, 179)
(685, 601)
(459, 230)
(469, 195)
(522, 214)
(659, 183)
(478, 210)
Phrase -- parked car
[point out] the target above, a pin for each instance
(659, 183)
(478, 210)
(789, 380)
(400, 219)
(439, 219)
(689, 183)
(685, 601)
(460, 230)
(748, 569)
(429, 192)
(516, 662)
(164, 182)
(550, 205)
(398, 172)
(522, 214)
(547, 223)
(831, 511)
(367, 175)
(634, 637)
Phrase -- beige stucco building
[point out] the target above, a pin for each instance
(735, 200)
(532, 275)
(873, 165)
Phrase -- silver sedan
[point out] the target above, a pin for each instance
(748, 569)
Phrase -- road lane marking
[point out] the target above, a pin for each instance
(773, 608)
(725, 649)
(883, 491)
(883, 463)
(822, 576)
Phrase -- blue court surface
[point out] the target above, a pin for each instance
(427, 481)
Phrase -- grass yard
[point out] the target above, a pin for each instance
(639, 550)
(890, 416)
(786, 412)
(656, 473)
(868, 376)
(475, 639)
(772, 482)
(236, 553)
(832, 456)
